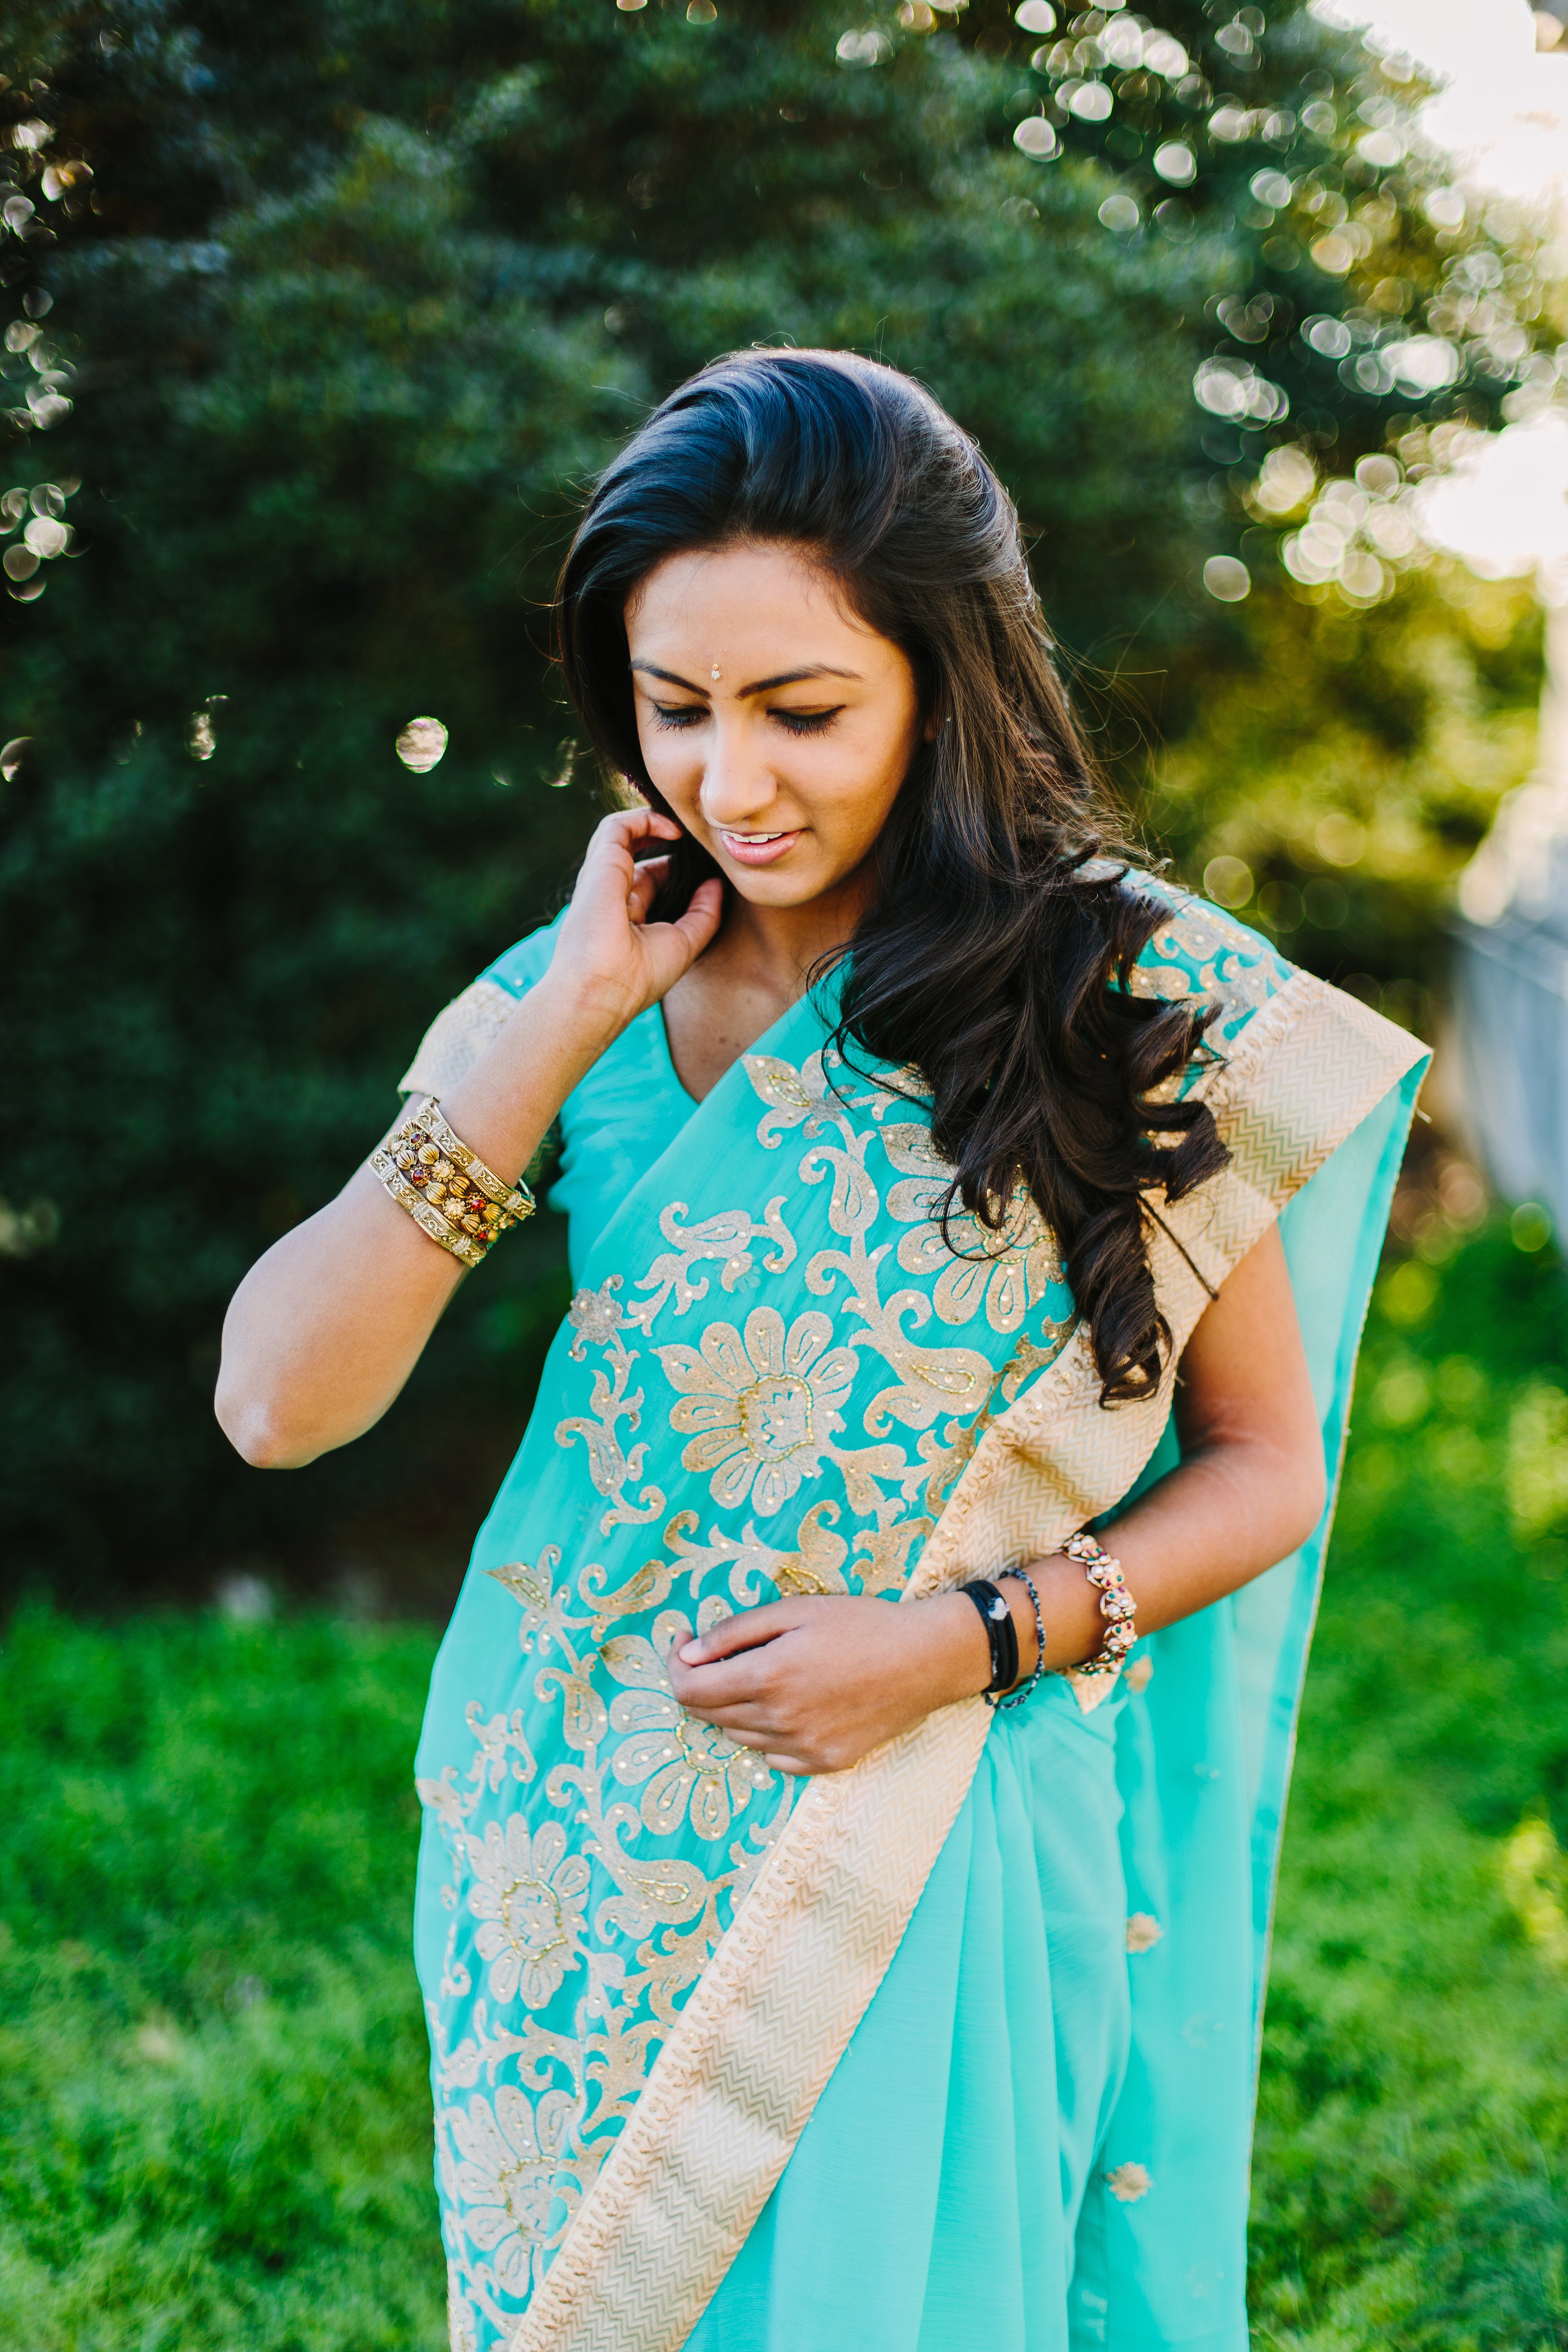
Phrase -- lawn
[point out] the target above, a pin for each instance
(213, 2118)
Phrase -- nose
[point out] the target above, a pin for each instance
(738, 780)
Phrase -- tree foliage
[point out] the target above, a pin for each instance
(318, 320)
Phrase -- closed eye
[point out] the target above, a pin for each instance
(683, 715)
(807, 722)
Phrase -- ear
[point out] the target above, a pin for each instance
(936, 720)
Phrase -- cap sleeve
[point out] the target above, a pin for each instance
(1200, 951)
(459, 1033)
(466, 1027)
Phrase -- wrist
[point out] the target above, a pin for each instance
(959, 1640)
(1070, 1607)
(582, 1018)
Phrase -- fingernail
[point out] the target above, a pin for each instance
(691, 1655)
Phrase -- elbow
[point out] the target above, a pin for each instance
(1308, 1495)
(259, 1433)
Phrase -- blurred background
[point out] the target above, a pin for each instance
(317, 321)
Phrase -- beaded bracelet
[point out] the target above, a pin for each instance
(1028, 1581)
(446, 1188)
(1116, 1603)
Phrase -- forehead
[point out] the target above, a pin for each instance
(751, 594)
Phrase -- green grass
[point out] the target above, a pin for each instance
(213, 2109)
(214, 2114)
(1413, 2128)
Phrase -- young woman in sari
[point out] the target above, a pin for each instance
(787, 1992)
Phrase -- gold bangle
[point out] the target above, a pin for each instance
(446, 1188)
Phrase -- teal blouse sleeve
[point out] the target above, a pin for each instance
(626, 1111)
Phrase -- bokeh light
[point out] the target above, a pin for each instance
(421, 744)
(1228, 579)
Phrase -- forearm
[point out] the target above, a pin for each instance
(326, 1328)
(818, 1684)
(815, 1684)
(1216, 1521)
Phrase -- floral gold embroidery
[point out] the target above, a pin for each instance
(804, 1441)
(506, 2175)
(684, 1761)
(1199, 951)
(1001, 1273)
(530, 1894)
(763, 1407)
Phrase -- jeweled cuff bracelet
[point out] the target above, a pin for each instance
(446, 1188)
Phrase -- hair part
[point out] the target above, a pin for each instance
(995, 954)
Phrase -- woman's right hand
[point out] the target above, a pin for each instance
(608, 957)
(325, 1329)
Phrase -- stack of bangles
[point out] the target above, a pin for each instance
(446, 1188)
(1116, 1606)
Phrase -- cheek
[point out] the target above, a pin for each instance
(858, 787)
(673, 762)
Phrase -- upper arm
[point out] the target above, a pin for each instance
(466, 1027)
(1243, 1376)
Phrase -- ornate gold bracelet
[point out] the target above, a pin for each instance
(1117, 1605)
(446, 1188)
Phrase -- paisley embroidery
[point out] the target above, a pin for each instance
(1202, 952)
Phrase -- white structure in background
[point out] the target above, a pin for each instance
(1503, 510)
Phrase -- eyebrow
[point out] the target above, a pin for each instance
(760, 686)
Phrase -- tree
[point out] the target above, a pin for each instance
(320, 319)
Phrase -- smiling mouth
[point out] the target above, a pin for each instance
(759, 848)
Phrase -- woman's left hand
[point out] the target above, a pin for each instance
(817, 1683)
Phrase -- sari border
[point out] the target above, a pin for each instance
(737, 2078)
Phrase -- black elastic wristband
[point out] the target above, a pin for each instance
(996, 1616)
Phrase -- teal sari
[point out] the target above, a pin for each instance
(957, 2049)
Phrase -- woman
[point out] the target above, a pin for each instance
(786, 1995)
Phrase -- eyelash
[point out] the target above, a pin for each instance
(677, 717)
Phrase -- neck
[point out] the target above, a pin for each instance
(781, 944)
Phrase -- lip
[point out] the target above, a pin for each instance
(753, 852)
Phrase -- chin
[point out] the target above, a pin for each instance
(765, 886)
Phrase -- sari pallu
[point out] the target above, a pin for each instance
(645, 1956)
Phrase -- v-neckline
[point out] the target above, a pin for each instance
(696, 1101)
(758, 1044)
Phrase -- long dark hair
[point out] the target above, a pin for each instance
(995, 953)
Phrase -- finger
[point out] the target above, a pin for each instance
(701, 920)
(755, 1736)
(739, 1681)
(744, 1631)
(754, 1717)
(648, 880)
(796, 1766)
(623, 826)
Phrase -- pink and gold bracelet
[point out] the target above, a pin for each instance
(1117, 1605)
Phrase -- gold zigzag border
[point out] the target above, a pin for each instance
(736, 2081)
